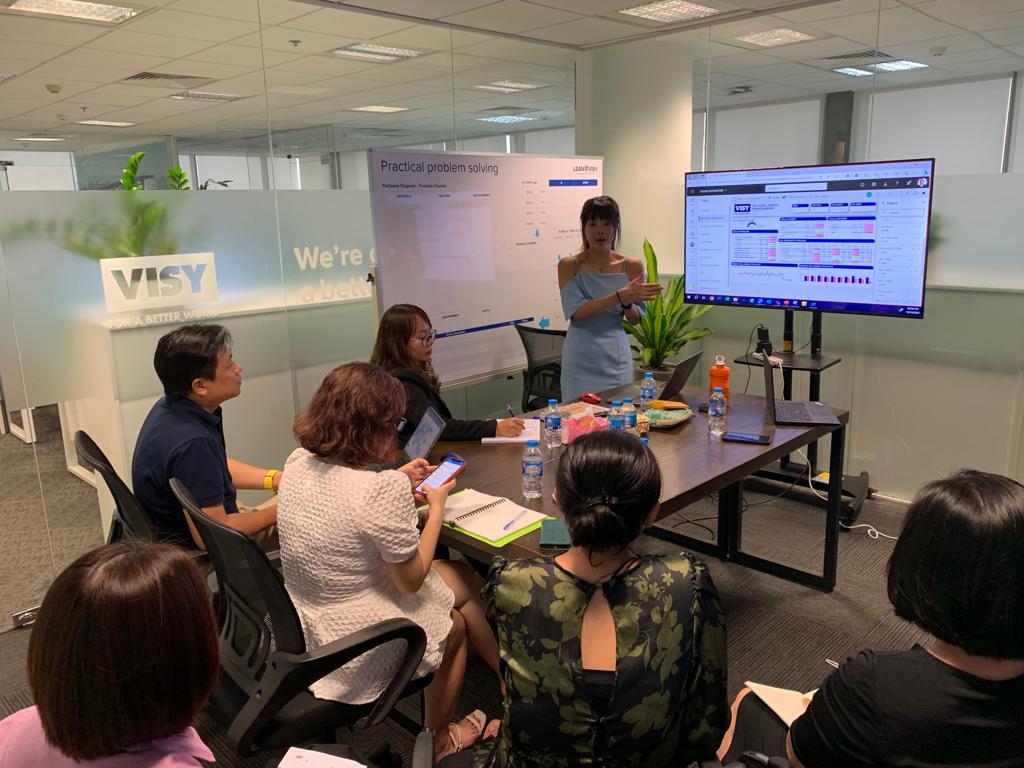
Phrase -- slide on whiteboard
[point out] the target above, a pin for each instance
(474, 240)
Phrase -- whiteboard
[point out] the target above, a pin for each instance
(474, 240)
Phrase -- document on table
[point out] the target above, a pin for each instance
(787, 704)
(531, 431)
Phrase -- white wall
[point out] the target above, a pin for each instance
(315, 174)
(233, 168)
(645, 141)
(961, 125)
(554, 141)
(766, 135)
(497, 143)
(39, 171)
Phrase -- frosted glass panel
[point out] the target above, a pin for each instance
(766, 136)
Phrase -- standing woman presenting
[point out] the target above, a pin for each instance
(600, 287)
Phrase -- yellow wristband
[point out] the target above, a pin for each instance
(268, 480)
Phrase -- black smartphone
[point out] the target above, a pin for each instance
(554, 534)
(747, 437)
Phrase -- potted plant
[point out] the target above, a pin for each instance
(662, 331)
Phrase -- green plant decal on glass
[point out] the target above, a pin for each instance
(144, 227)
(662, 331)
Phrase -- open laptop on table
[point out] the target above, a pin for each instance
(679, 376)
(793, 412)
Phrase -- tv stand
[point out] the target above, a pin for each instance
(855, 487)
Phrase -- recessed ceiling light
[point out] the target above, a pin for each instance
(382, 110)
(104, 123)
(373, 52)
(73, 9)
(773, 37)
(206, 96)
(670, 10)
(39, 138)
(853, 72)
(897, 66)
(496, 89)
(506, 119)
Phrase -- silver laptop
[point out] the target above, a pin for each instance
(427, 432)
(793, 412)
(679, 376)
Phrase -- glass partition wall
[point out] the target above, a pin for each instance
(271, 104)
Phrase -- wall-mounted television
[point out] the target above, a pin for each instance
(832, 238)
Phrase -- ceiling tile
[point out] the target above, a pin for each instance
(835, 10)
(9, 66)
(29, 50)
(511, 16)
(280, 39)
(435, 9)
(244, 56)
(130, 41)
(262, 11)
(585, 31)
(15, 26)
(202, 69)
(361, 26)
(187, 25)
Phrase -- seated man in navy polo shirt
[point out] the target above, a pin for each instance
(183, 437)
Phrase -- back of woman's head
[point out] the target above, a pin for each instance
(397, 326)
(352, 416)
(607, 484)
(957, 570)
(124, 649)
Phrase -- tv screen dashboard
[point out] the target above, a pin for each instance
(835, 238)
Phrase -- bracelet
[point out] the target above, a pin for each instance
(624, 306)
(268, 480)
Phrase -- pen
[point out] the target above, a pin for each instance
(514, 520)
(832, 663)
(508, 407)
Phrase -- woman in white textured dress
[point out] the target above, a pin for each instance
(352, 555)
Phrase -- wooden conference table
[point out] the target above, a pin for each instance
(693, 465)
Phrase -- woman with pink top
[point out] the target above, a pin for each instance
(122, 657)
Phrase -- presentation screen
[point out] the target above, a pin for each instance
(836, 238)
(474, 239)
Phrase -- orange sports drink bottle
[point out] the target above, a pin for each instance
(720, 377)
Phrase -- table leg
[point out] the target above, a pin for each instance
(837, 443)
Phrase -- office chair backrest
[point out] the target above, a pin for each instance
(258, 616)
(131, 513)
(542, 378)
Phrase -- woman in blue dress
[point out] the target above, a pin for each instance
(600, 287)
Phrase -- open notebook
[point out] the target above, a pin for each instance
(494, 520)
(531, 431)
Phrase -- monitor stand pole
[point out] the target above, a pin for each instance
(855, 487)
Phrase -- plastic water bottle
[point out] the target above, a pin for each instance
(533, 471)
(616, 419)
(647, 390)
(717, 413)
(629, 415)
(552, 425)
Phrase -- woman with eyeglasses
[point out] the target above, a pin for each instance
(352, 555)
(404, 347)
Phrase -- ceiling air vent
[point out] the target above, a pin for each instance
(739, 90)
(167, 80)
(866, 55)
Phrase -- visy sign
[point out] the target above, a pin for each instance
(146, 282)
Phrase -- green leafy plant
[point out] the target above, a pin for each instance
(662, 331)
(177, 178)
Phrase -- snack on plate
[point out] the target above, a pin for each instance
(664, 419)
(668, 405)
(643, 424)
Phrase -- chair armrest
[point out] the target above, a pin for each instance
(288, 674)
(423, 749)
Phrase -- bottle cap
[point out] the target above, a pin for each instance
(717, 389)
(627, 399)
(643, 441)
(532, 444)
(616, 403)
(552, 401)
(719, 359)
(648, 375)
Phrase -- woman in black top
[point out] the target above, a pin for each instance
(404, 347)
(957, 572)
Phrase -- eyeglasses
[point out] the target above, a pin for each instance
(426, 339)
(399, 424)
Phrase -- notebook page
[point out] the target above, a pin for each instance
(495, 513)
(531, 431)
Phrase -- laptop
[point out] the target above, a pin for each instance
(679, 376)
(427, 432)
(793, 412)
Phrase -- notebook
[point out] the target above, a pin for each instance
(787, 704)
(485, 517)
(531, 431)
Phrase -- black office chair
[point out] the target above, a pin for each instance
(542, 379)
(266, 669)
(130, 518)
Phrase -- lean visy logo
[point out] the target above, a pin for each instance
(147, 282)
(741, 208)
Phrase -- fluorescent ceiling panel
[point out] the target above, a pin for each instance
(73, 9)
(670, 11)
(381, 110)
(897, 66)
(853, 72)
(506, 119)
(104, 123)
(774, 37)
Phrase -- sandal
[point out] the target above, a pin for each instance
(477, 719)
